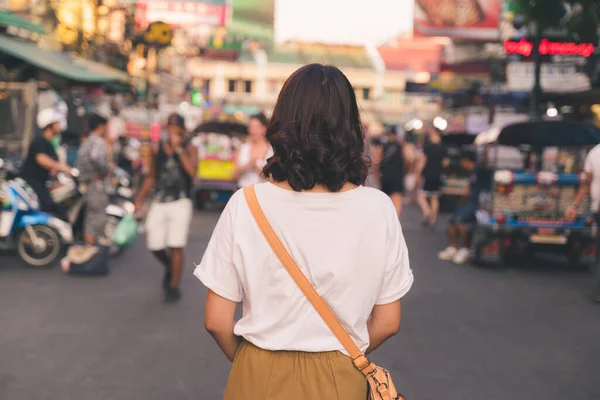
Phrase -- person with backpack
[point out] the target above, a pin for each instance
(317, 259)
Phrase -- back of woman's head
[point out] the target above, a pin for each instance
(316, 133)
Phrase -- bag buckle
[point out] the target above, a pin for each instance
(361, 363)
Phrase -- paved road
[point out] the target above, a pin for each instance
(522, 333)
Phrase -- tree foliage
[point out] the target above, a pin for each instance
(581, 18)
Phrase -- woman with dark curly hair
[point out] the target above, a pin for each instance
(345, 238)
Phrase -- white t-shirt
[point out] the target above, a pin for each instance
(349, 245)
(252, 176)
(592, 166)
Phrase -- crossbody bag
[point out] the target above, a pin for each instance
(379, 380)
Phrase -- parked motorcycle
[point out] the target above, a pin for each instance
(68, 191)
(37, 236)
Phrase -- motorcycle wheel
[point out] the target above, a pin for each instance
(43, 256)
(109, 231)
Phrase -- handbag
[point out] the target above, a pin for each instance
(125, 232)
(379, 380)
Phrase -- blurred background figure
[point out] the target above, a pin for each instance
(253, 155)
(591, 187)
(94, 164)
(390, 163)
(172, 170)
(434, 158)
(42, 159)
(460, 223)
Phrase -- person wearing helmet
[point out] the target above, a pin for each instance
(42, 159)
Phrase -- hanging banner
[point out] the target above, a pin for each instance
(181, 13)
(458, 19)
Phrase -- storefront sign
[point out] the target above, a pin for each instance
(525, 48)
(559, 78)
(181, 13)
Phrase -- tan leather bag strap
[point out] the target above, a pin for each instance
(361, 362)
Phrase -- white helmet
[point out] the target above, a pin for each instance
(50, 116)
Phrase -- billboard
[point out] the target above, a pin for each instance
(458, 19)
(261, 12)
(182, 12)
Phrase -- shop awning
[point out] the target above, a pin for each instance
(104, 69)
(55, 62)
(8, 19)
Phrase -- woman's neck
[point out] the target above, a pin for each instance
(258, 141)
(317, 189)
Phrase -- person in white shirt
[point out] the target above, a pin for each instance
(345, 237)
(253, 155)
(592, 187)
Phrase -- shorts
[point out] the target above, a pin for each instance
(168, 224)
(464, 214)
(391, 187)
(258, 374)
(431, 186)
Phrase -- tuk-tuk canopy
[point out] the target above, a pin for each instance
(540, 134)
(458, 139)
(224, 128)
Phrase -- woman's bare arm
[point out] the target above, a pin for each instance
(383, 324)
(219, 322)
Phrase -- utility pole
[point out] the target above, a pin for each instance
(536, 92)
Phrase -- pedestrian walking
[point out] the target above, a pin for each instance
(253, 155)
(172, 170)
(590, 186)
(390, 162)
(346, 239)
(433, 160)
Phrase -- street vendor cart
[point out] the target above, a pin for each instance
(217, 144)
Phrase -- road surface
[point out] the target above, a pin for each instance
(521, 333)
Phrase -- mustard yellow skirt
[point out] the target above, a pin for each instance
(259, 374)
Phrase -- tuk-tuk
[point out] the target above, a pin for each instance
(455, 177)
(538, 167)
(217, 144)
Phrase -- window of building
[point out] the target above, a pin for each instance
(366, 93)
(232, 85)
(273, 86)
(389, 97)
(248, 86)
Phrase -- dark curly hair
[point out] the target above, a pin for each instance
(316, 132)
(262, 118)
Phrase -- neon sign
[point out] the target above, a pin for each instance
(548, 48)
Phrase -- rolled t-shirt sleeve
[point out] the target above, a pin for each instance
(216, 270)
(398, 277)
(588, 166)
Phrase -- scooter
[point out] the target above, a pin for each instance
(38, 236)
(68, 191)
